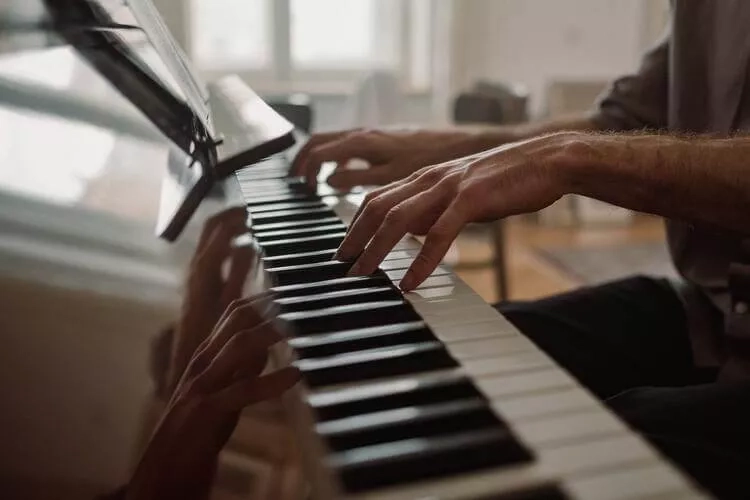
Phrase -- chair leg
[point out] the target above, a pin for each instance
(501, 276)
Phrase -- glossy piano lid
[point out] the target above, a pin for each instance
(128, 44)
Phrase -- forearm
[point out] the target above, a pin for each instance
(480, 139)
(695, 179)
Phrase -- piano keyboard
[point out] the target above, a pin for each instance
(432, 394)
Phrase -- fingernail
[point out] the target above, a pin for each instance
(407, 283)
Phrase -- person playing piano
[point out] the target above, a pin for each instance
(667, 140)
(217, 352)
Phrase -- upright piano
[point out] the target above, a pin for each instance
(430, 394)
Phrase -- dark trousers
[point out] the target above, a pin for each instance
(627, 342)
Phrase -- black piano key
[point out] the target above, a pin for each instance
(300, 245)
(375, 363)
(298, 259)
(292, 215)
(299, 232)
(291, 205)
(308, 273)
(329, 344)
(265, 200)
(406, 423)
(332, 405)
(296, 224)
(412, 460)
(340, 298)
(350, 317)
(349, 283)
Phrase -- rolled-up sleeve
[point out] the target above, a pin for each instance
(639, 100)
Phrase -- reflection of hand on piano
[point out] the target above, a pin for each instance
(221, 379)
(208, 292)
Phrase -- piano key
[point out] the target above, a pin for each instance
(309, 273)
(507, 363)
(349, 317)
(379, 396)
(265, 200)
(416, 459)
(300, 232)
(299, 245)
(375, 363)
(556, 429)
(398, 274)
(588, 456)
(340, 342)
(349, 283)
(290, 205)
(388, 265)
(295, 224)
(298, 259)
(648, 481)
(470, 329)
(340, 298)
(528, 406)
(404, 423)
(489, 347)
(291, 215)
(520, 383)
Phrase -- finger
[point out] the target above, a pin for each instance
(436, 245)
(299, 165)
(372, 215)
(408, 216)
(233, 217)
(356, 145)
(240, 265)
(247, 392)
(240, 315)
(246, 350)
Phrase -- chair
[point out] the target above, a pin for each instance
(495, 104)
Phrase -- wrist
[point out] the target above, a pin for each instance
(576, 159)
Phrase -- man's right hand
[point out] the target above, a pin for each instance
(392, 155)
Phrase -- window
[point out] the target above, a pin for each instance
(324, 43)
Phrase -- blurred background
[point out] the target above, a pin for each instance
(78, 202)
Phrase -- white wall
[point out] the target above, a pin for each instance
(537, 41)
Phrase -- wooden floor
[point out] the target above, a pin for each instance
(529, 275)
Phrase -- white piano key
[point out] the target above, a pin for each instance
(648, 481)
(397, 274)
(590, 456)
(506, 363)
(472, 314)
(469, 330)
(489, 348)
(569, 427)
(437, 281)
(399, 255)
(536, 405)
(520, 383)
(391, 264)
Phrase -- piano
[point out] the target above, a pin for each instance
(430, 394)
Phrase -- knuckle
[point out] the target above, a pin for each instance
(396, 216)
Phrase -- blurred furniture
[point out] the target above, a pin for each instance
(297, 108)
(567, 97)
(492, 104)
